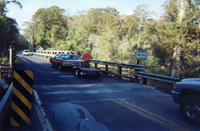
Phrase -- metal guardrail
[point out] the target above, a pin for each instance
(44, 55)
(139, 69)
(168, 79)
(55, 52)
(106, 63)
(5, 102)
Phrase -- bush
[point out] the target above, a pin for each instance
(4, 60)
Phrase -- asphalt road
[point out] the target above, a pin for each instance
(64, 101)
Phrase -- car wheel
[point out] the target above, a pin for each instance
(77, 72)
(190, 108)
(98, 74)
(60, 67)
(52, 65)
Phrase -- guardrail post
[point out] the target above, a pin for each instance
(106, 69)
(120, 71)
(145, 81)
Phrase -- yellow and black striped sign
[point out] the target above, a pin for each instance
(21, 98)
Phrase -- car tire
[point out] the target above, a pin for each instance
(98, 74)
(60, 67)
(190, 108)
(77, 72)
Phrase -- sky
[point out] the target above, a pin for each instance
(124, 7)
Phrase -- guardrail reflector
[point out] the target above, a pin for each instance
(21, 98)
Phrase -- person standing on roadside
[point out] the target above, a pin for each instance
(86, 57)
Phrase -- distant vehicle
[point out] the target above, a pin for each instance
(187, 94)
(65, 60)
(26, 52)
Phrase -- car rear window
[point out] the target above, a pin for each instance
(69, 57)
(26, 51)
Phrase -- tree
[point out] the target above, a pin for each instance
(3, 4)
(141, 14)
(9, 35)
(48, 27)
(179, 28)
(29, 33)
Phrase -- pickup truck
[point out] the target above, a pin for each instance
(186, 93)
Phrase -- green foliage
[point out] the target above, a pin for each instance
(3, 4)
(48, 27)
(152, 61)
(179, 28)
(9, 35)
(109, 34)
(4, 60)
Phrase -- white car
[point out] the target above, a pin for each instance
(26, 52)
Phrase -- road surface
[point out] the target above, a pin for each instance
(63, 101)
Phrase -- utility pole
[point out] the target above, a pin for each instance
(138, 61)
(140, 32)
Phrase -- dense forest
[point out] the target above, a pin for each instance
(172, 40)
(9, 32)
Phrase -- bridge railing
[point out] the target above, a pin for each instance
(43, 55)
(157, 77)
(119, 66)
(138, 68)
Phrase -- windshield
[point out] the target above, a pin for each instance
(26, 51)
(70, 57)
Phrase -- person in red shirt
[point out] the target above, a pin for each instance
(86, 57)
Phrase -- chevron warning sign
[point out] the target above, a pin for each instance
(21, 98)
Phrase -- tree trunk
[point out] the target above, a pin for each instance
(176, 63)
(177, 50)
(182, 10)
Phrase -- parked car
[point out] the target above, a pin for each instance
(187, 94)
(26, 52)
(65, 60)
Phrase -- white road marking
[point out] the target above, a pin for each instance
(85, 92)
(111, 99)
(41, 114)
(56, 73)
(68, 85)
(65, 76)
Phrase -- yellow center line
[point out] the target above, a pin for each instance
(155, 115)
(22, 82)
(161, 120)
(146, 115)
